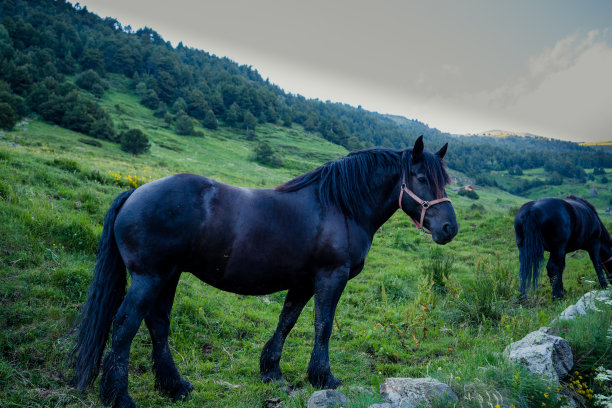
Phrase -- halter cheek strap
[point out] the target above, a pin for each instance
(424, 204)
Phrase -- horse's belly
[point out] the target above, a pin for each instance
(248, 279)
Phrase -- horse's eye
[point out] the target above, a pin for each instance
(422, 179)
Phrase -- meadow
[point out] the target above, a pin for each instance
(416, 310)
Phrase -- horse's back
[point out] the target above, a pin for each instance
(550, 216)
(568, 223)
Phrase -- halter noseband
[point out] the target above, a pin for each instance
(424, 204)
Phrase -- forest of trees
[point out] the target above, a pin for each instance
(55, 60)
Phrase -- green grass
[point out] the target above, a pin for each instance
(391, 321)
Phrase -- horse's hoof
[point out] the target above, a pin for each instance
(275, 377)
(124, 401)
(182, 392)
(332, 382)
(326, 381)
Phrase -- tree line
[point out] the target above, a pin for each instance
(55, 60)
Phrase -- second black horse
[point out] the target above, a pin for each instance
(309, 235)
(559, 226)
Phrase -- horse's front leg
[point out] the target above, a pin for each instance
(329, 285)
(271, 354)
(596, 259)
(554, 268)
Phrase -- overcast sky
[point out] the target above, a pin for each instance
(543, 67)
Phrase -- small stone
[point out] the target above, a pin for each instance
(413, 392)
(327, 399)
(274, 403)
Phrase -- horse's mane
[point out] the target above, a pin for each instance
(346, 182)
(604, 232)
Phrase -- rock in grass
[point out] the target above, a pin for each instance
(585, 303)
(542, 354)
(327, 399)
(413, 392)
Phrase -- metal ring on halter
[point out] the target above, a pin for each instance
(425, 204)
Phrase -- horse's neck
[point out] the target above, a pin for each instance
(386, 203)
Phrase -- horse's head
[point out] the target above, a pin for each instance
(422, 194)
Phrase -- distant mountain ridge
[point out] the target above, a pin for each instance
(504, 133)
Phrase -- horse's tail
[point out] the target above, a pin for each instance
(105, 295)
(531, 248)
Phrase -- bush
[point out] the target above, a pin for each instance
(265, 155)
(8, 117)
(134, 141)
(210, 120)
(91, 81)
(103, 128)
(184, 125)
(150, 99)
(90, 142)
(555, 179)
(485, 299)
(438, 269)
(469, 194)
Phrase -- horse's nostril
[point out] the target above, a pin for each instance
(447, 228)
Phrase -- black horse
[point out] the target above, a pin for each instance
(309, 235)
(559, 226)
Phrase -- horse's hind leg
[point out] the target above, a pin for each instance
(114, 382)
(271, 354)
(167, 378)
(596, 259)
(554, 268)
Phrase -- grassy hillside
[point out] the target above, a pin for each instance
(416, 309)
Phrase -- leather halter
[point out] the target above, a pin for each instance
(424, 204)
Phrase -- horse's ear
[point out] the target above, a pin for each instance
(417, 150)
(442, 152)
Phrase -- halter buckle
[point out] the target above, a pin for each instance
(425, 204)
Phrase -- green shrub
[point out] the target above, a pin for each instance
(8, 117)
(90, 142)
(486, 298)
(210, 120)
(135, 141)
(265, 155)
(438, 269)
(469, 194)
(89, 80)
(184, 125)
